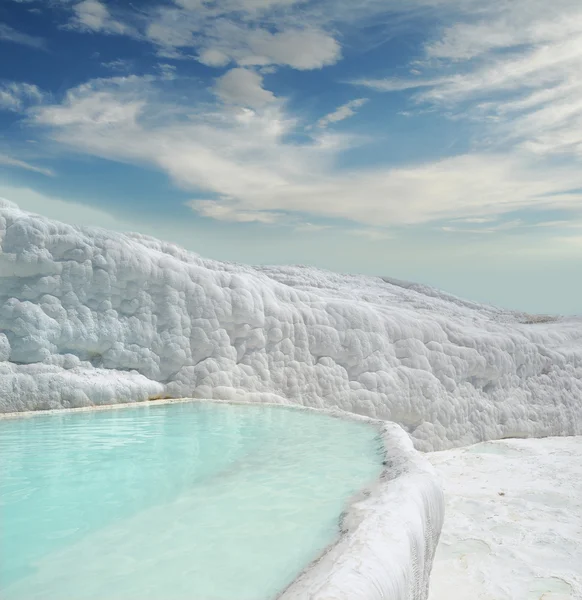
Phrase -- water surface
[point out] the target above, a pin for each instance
(197, 501)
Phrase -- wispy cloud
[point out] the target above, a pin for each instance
(517, 71)
(94, 16)
(489, 228)
(246, 157)
(397, 85)
(342, 112)
(9, 34)
(227, 211)
(574, 223)
(119, 65)
(245, 33)
(16, 96)
(10, 161)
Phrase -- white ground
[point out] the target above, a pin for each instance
(513, 521)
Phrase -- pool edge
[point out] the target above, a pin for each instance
(389, 530)
(389, 535)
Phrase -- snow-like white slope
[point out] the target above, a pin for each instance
(89, 316)
(513, 527)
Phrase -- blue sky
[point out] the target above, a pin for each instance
(429, 140)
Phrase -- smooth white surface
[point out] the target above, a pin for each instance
(91, 316)
(513, 521)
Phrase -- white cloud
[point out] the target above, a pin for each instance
(517, 71)
(546, 65)
(244, 153)
(9, 34)
(16, 96)
(476, 220)
(504, 25)
(398, 85)
(343, 112)
(172, 28)
(10, 161)
(250, 33)
(301, 49)
(243, 87)
(97, 104)
(167, 72)
(227, 212)
(311, 227)
(574, 223)
(188, 233)
(213, 58)
(92, 15)
(246, 158)
(489, 229)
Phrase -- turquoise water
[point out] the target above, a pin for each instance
(196, 501)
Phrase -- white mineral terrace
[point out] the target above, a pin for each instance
(90, 318)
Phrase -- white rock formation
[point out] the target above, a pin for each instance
(90, 317)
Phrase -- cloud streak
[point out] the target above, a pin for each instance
(246, 158)
(342, 112)
(516, 71)
(10, 161)
(9, 34)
